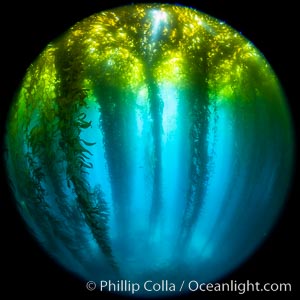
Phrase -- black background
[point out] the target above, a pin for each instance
(27, 27)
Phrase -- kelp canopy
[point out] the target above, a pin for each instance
(149, 141)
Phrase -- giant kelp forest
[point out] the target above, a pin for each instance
(149, 130)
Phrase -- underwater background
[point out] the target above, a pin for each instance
(46, 40)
